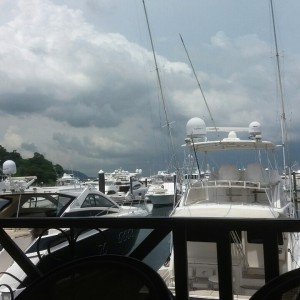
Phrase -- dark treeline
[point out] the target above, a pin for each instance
(46, 172)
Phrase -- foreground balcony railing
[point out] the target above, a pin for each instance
(182, 229)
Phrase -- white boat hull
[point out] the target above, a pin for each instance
(164, 199)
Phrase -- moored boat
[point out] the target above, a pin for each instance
(251, 188)
(51, 247)
(163, 189)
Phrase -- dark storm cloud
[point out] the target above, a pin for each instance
(24, 103)
(102, 108)
(71, 142)
(86, 145)
(29, 147)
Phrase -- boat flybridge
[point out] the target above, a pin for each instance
(245, 184)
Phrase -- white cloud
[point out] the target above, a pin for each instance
(12, 139)
(251, 46)
(220, 40)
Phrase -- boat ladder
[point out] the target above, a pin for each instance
(238, 244)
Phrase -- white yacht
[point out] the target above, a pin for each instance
(48, 248)
(246, 184)
(68, 180)
(124, 186)
(163, 189)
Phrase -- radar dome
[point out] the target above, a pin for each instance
(9, 167)
(196, 130)
(254, 129)
(232, 135)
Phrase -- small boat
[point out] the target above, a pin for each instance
(68, 180)
(124, 186)
(50, 247)
(245, 184)
(163, 189)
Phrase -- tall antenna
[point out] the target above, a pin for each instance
(204, 98)
(168, 124)
(283, 118)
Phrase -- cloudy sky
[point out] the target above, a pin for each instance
(78, 81)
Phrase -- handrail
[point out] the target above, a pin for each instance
(183, 230)
(232, 183)
(237, 243)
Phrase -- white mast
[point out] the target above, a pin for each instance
(283, 118)
(168, 123)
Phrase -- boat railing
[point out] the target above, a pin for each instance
(209, 191)
(183, 229)
(238, 246)
(231, 184)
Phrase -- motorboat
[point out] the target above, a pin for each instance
(68, 180)
(50, 247)
(124, 186)
(128, 191)
(163, 189)
(240, 180)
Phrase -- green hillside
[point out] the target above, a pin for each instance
(46, 172)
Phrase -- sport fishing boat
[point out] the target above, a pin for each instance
(245, 184)
(50, 247)
(163, 189)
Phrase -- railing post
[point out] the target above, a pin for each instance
(224, 266)
(149, 243)
(180, 264)
(19, 256)
(295, 196)
(270, 242)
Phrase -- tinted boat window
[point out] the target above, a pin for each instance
(3, 203)
(96, 200)
(103, 202)
(124, 188)
(40, 202)
(88, 213)
(137, 187)
(63, 201)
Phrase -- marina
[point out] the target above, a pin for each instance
(234, 262)
(216, 214)
(202, 270)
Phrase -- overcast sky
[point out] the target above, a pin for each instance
(78, 81)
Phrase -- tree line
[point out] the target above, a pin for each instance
(47, 173)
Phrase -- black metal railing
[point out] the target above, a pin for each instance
(183, 230)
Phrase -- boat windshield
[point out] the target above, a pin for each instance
(34, 204)
(63, 202)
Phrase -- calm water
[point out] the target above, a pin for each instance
(162, 210)
(160, 254)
